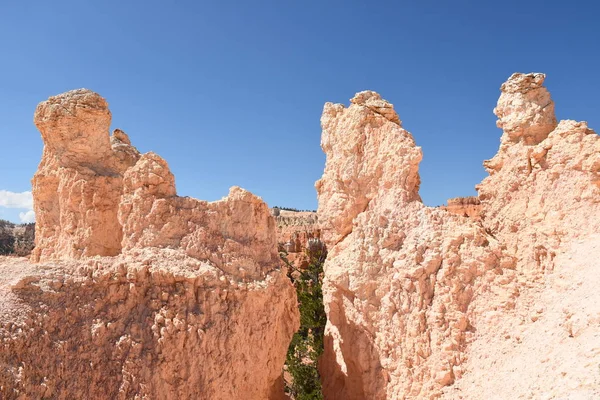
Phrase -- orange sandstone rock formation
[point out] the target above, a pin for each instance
(423, 303)
(139, 293)
(79, 182)
(465, 206)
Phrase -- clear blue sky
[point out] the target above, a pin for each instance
(230, 93)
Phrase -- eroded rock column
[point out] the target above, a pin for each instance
(422, 303)
(78, 184)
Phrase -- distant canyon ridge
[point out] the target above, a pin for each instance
(294, 230)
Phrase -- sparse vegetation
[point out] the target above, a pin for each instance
(307, 344)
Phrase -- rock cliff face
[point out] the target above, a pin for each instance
(139, 293)
(412, 292)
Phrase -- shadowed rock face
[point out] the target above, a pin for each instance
(139, 293)
(411, 290)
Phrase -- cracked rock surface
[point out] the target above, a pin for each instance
(399, 276)
(134, 292)
(423, 303)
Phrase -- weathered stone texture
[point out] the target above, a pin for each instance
(139, 293)
(399, 277)
(545, 192)
(417, 296)
(78, 184)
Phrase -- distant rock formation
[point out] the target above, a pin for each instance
(296, 232)
(416, 296)
(7, 237)
(16, 239)
(465, 206)
(139, 293)
(24, 239)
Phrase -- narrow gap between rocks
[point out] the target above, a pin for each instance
(301, 373)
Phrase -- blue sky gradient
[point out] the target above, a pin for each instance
(230, 93)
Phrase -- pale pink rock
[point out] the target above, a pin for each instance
(140, 294)
(544, 192)
(400, 276)
(361, 139)
(78, 184)
(525, 110)
(422, 303)
(546, 347)
(542, 201)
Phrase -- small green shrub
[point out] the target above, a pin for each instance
(307, 344)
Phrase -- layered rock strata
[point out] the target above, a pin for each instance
(139, 293)
(466, 206)
(414, 294)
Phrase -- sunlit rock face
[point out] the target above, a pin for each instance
(138, 293)
(428, 302)
(540, 193)
(469, 207)
(542, 202)
(400, 276)
(78, 185)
